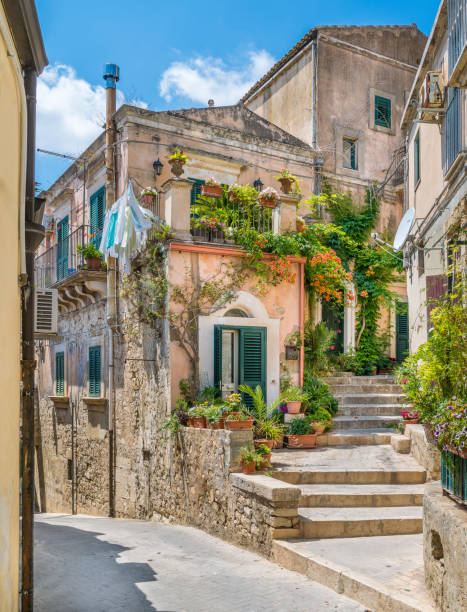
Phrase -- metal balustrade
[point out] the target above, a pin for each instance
(457, 31)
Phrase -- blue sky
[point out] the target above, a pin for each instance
(173, 54)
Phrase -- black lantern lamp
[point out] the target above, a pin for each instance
(157, 165)
(258, 185)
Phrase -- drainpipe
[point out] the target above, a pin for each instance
(301, 322)
(34, 234)
(111, 76)
(314, 94)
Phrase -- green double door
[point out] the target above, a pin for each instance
(402, 332)
(333, 317)
(239, 358)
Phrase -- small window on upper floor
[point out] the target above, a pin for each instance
(350, 153)
(383, 112)
(60, 373)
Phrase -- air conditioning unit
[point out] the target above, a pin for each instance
(45, 312)
(433, 90)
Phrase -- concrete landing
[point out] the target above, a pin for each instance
(357, 437)
(383, 573)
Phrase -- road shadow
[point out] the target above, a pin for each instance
(75, 571)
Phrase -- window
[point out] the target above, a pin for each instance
(383, 112)
(62, 248)
(416, 158)
(239, 358)
(60, 373)
(350, 153)
(94, 371)
(96, 216)
(236, 312)
(195, 190)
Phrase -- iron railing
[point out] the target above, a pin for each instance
(454, 475)
(221, 220)
(457, 31)
(398, 166)
(62, 260)
(452, 133)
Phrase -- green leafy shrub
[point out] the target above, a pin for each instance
(88, 251)
(319, 395)
(299, 427)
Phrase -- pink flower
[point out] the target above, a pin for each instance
(332, 347)
(339, 331)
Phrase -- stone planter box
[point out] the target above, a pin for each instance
(211, 191)
(236, 425)
(304, 441)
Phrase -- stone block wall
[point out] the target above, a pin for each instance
(424, 451)
(445, 549)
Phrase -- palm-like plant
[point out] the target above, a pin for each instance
(266, 418)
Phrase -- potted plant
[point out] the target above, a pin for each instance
(410, 417)
(197, 415)
(266, 432)
(177, 160)
(301, 224)
(268, 197)
(266, 417)
(215, 416)
(214, 228)
(294, 397)
(147, 196)
(286, 180)
(230, 235)
(248, 459)
(91, 254)
(264, 456)
(242, 193)
(238, 420)
(211, 188)
(320, 420)
(299, 434)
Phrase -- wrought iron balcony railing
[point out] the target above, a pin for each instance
(457, 31)
(452, 132)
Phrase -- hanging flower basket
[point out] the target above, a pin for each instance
(211, 188)
(268, 198)
(177, 166)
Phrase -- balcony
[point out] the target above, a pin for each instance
(397, 168)
(457, 43)
(62, 268)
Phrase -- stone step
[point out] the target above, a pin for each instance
(355, 437)
(340, 496)
(360, 522)
(372, 409)
(358, 380)
(364, 421)
(344, 389)
(371, 398)
(409, 475)
(383, 573)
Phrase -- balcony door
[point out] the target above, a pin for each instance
(239, 358)
(62, 248)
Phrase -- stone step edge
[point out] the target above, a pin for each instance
(339, 476)
(348, 499)
(343, 580)
(340, 438)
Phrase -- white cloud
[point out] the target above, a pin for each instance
(70, 111)
(202, 78)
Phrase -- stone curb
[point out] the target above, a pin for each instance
(267, 488)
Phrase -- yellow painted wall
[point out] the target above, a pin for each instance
(10, 321)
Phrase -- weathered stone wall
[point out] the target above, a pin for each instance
(445, 549)
(424, 451)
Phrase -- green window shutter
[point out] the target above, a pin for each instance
(382, 111)
(60, 373)
(62, 248)
(95, 371)
(402, 335)
(350, 153)
(217, 355)
(416, 155)
(195, 190)
(96, 215)
(252, 358)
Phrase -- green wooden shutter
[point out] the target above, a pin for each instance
(416, 154)
(217, 355)
(62, 248)
(195, 190)
(402, 335)
(96, 216)
(252, 358)
(60, 373)
(95, 371)
(382, 111)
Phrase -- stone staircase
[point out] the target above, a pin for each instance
(361, 504)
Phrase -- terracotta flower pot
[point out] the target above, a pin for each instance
(293, 407)
(318, 429)
(198, 422)
(236, 425)
(265, 463)
(218, 425)
(177, 166)
(462, 453)
(286, 184)
(268, 443)
(410, 421)
(279, 443)
(304, 441)
(94, 263)
(267, 203)
(248, 468)
(211, 191)
(147, 200)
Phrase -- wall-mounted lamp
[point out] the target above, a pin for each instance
(157, 165)
(258, 185)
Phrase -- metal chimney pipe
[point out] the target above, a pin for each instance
(111, 76)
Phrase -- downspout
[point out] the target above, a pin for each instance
(314, 94)
(301, 322)
(111, 76)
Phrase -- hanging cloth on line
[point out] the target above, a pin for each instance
(126, 226)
